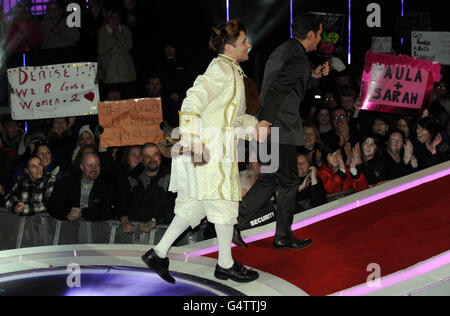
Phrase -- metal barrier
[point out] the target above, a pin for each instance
(43, 230)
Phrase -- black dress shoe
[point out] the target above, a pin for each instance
(237, 273)
(237, 239)
(158, 265)
(292, 243)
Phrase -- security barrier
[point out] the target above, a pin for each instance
(43, 230)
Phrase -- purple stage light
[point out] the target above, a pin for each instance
(402, 15)
(349, 31)
(292, 16)
(107, 281)
(228, 10)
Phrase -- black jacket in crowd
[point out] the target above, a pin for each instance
(311, 196)
(426, 159)
(106, 201)
(374, 170)
(153, 202)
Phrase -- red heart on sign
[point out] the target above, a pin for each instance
(90, 96)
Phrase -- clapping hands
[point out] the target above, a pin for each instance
(353, 155)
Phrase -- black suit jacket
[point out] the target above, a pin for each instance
(287, 76)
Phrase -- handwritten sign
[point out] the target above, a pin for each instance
(61, 90)
(131, 122)
(397, 84)
(431, 45)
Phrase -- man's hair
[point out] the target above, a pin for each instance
(329, 148)
(27, 161)
(338, 108)
(149, 145)
(86, 155)
(431, 125)
(304, 23)
(303, 154)
(347, 92)
(40, 143)
(126, 153)
(226, 34)
(395, 131)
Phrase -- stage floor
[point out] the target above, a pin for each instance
(116, 270)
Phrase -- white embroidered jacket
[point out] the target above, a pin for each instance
(211, 113)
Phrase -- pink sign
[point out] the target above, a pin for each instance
(397, 84)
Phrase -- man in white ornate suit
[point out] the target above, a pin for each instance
(207, 179)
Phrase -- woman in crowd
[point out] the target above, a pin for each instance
(404, 125)
(312, 147)
(30, 194)
(132, 160)
(85, 137)
(336, 175)
(432, 149)
(114, 45)
(400, 159)
(372, 165)
(23, 34)
(380, 127)
(323, 123)
(42, 150)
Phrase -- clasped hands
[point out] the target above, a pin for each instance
(200, 154)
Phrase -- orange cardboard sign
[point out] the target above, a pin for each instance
(131, 122)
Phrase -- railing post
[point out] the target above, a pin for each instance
(20, 233)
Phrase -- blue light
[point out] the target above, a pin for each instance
(349, 31)
(292, 16)
(228, 10)
(403, 3)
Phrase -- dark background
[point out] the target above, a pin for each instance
(187, 24)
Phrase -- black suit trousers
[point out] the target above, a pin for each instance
(285, 183)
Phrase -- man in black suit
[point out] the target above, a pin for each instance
(287, 76)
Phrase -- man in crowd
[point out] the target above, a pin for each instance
(89, 195)
(171, 104)
(54, 28)
(151, 202)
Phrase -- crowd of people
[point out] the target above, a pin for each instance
(59, 166)
(111, 35)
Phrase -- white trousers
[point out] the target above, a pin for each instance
(220, 212)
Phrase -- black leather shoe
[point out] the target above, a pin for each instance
(237, 239)
(237, 273)
(158, 265)
(293, 243)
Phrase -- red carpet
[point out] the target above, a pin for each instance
(396, 233)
